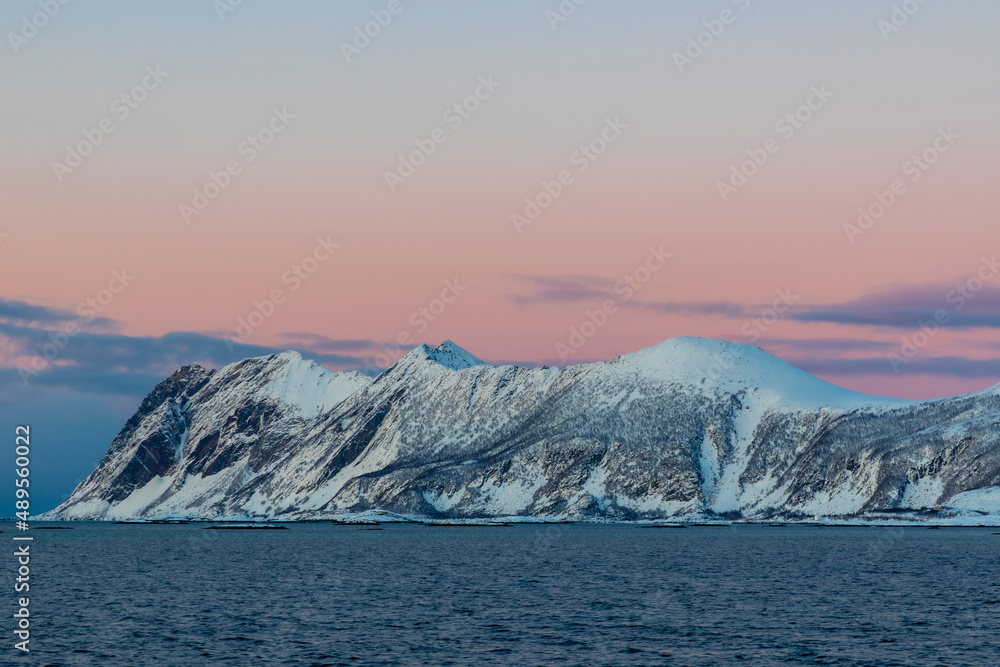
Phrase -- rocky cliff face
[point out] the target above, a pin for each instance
(689, 428)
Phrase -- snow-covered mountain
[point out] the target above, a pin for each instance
(690, 428)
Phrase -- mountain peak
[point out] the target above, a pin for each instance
(287, 356)
(698, 351)
(194, 370)
(447, 354)
(722, 365)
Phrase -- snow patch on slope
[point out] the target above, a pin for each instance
(922, 493)
(511, 497)
(310, 387)
(728, 495)
(986, 499)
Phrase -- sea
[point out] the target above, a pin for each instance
(524, 594)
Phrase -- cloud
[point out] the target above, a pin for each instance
(116, 363)
(111, 363)
(958, 306)
(34, 346)
(961, 367)
(19, 312)
(563, 289)
(818, 345)
(992, 345)
(80, 379)
(906, 307)
(122, 352)
(575, 289)
(729, 309)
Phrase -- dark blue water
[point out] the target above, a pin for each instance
(323, 594)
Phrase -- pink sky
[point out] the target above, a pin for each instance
(656, 184)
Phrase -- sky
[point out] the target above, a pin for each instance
(540, 182)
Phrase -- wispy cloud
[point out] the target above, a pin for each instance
(826, 345)
(108, 362)
(20, 312)
(729, 309)
(897, 308)
(562, 289)
(904, 307)
(576, 288)
(960, 367)
(115, 363)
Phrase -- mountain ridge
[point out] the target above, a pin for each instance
(687, 429)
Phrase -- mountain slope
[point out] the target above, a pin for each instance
(687, 428)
